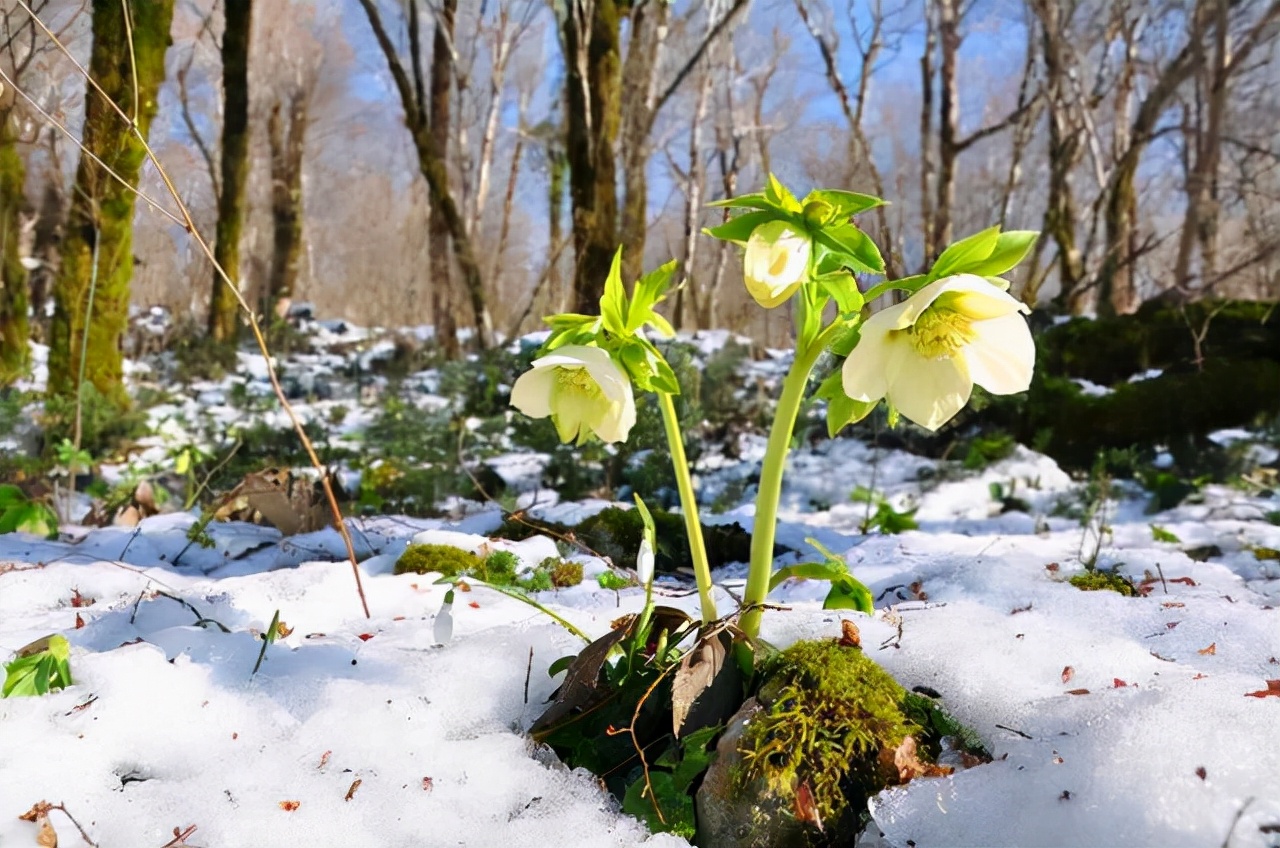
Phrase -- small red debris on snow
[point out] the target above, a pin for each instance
(1272, 691)
(290, 806)
(351, 793)
(1077, 691)
(1185, 581)
(1117, 683)
(427, 784)
(364, 637)
(79, 621)
(1169, 625)
(473, 605)
(1209, 651)
(324, 759)
(1067, 673)
(1201, 773)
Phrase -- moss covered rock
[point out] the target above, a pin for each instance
(444, 559)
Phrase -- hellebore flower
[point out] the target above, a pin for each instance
(582, 389)
(926, 353)
(776, 262)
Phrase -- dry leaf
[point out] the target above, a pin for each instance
(1201, 773)
(290, 806)
(324, 759)
(79, 621)
(1067, 673)
(907, 761)
(1185, 581)
(46, 837)
(694, 677)
(1077, 691)
(849, 635)
(427, 784)
(805, 808)
(1117, 683)
(1272, 690)
(352, 791)
(1209, 651)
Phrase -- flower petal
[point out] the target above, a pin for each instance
(1002, 356)
(976, 299)
(863, 375)
(531, 393)
(930, 391)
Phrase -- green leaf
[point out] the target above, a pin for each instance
(809, 571)
(1011, 248)
(10, 494)
(569, 320)
(648, 370)
(648, 291)
(845, 203)
(842, 410)
(676, 804)
(40, 671)
(781, 196)
(613, 303)
(843, 288)
(850, 593)
(860, 252)
(756, 200)
(846, 339)
(30, 517)
(661, 324)
(966, 254)
(562, 663)
(1160, 534)
(740, 227)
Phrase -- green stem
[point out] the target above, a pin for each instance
(775, 460)
(689, 505)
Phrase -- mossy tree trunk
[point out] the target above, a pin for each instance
(593, 68)
(223, 305)
(102, 209)
(287, 148)
(13, 277)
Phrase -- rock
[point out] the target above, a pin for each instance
(730, 816)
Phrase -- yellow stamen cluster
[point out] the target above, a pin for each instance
(940, 333)
(577, 380)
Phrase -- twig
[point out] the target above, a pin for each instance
(43, 808)
(528, 673)
(189, 225)
(179, 837)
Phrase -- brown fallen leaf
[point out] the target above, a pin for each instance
(46, 836)
(1077, 691)
(290, 806)
(1272, 691)
(849, 635)
(907, 761)
(1067, 673)
(1185, 581)
(1209, 651)
(351, 793)
(805, 808)
(324, 759)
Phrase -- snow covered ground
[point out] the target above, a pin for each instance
(1113, 720)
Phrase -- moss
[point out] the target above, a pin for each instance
(1103, 581)
(499, 568)
(565, 573)
(829, 713)
(13, 277)
(445, 559)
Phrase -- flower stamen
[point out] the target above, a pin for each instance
(940, 333)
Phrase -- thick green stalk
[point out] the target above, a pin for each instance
(689, 504)
(775, 461)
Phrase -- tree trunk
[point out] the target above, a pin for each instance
(14, 331)
(948, 124)
(592, 46)
(287, 149)
(558, 166)
(443, 315)
(648, 31)
(223, 306)
(926, 136)
(47, 248)
(101, 208)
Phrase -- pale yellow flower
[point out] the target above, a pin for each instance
(926, 354)
(644, 562)
(776, 262)
(582, 389)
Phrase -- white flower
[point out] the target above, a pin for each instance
(582, 389)
(925, 354)
(644, 562)
(776, 262)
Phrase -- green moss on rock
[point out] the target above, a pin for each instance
(1103, 581)
(445, 559)
(829, 715)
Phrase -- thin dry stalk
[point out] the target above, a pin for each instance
(184, 218)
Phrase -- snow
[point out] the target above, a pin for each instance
(167, 725)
